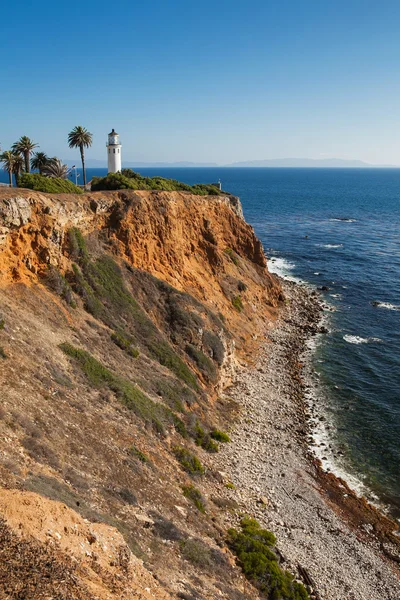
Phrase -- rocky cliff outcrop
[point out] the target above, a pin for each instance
(122, 315)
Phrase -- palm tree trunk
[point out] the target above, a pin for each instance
(83, 164)
(10, 176)
(27, 162)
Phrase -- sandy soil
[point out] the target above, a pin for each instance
(325, 533)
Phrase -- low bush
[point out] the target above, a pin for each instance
(3, 354)
(56, 282)
(196, 552)
(237, 303)
(50, 185)
(166, 529)
(195, 496)
(220, 436)
(129, 179)
(2, 324)
(212, 342)
(189, 462)
(242, 287)
(125, 344)
(254, 548)
(203, 439)
(232, 255)
(139, 454)
(203, 362)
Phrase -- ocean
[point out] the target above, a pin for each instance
(338, 229)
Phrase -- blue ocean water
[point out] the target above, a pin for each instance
(338, 228)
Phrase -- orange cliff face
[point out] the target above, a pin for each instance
(200, 245)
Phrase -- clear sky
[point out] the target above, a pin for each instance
(211, 81)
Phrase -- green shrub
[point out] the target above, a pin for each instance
(230, 486)
(138, 454)
(125, 344)
(232, 255)
(203, 362)
(56, 281)
(129, 179)
(220, 436)
(242, 287)
(196, 552)
(215, 346)
(254, 548)
(166, 356)
(50, 185)
(189, 462)
(2, 324)
(195, 496)
(203, 439)
(2, 353)
(237, 303)
(133, 398)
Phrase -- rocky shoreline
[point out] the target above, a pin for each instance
(340, 545)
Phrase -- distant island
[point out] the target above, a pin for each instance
(330, 163)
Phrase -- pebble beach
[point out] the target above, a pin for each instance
(344, 548)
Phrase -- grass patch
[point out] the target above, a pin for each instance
(237, 303)
(134, 451)
(166, 356)
(220, 436)
(125, 344)
(254, 548)
(230, 486)
(188, 461)
(195, 496)
(2, 324)
(133, 398)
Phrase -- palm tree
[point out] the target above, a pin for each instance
(24, 146)
(8, 159)
(38, 161)
(80, 138)
(18, 168)
(55, 168)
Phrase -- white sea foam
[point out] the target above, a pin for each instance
(330, 245)
(387, 305)
(344, 220)
(356, 339)
(282, 267)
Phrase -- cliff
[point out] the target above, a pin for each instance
(122, 315)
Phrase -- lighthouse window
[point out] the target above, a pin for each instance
(114, 150)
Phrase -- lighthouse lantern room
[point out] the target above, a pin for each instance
(113, 152)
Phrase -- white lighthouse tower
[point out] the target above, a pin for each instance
(113, 152)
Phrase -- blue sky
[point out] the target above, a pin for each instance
(217, 81)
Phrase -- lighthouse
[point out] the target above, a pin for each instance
(113, 152)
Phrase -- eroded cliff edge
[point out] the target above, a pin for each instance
(122, 315)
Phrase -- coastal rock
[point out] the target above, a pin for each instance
(15, 212)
